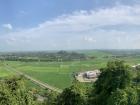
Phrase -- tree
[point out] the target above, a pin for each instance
(126, 96)
(13, 92)
(75, 95)
(137, 79)
(115, 76)
(51, 98)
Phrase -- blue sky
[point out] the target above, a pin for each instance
(69, 24)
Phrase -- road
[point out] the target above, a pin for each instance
(38, 82)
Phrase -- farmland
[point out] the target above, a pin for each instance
(57, 74)
(60, 74)
(4, 72)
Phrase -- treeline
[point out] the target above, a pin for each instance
(43, 56)
(122, 53)
(115, 86)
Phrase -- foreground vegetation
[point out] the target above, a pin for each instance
(117, 85)
(14, 92)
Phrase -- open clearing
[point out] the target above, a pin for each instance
(4, 72)
(56, 74)
(61, 74)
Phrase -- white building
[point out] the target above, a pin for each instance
(88, 76)
(92, 74)
(136, 66)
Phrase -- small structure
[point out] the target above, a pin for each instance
(88, 76)
(92, 74)
(136, 66)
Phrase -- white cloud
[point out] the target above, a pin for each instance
(116, 27)
(8, 26)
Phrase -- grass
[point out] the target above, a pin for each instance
(55, 73)
(60, 74)
(4, 72)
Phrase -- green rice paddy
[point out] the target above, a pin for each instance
(61, 74)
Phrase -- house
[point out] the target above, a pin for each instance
(88, 76)
(136, 66)
(92, 74)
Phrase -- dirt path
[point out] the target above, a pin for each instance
(38, 82)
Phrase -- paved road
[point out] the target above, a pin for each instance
(38, 82)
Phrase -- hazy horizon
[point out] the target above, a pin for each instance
(70, 50)
(45, 25)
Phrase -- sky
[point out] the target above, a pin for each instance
(38, 25)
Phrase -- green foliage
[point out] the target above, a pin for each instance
(137, 79)
(119, 97)
(112, 85)
(127, 96)
(116, 75)
(75, 95)
(138, 91)
(51, 98)
(13, 92)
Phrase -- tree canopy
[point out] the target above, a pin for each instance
(112, 86)
(14, 92)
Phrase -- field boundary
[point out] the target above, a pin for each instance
(38, 82)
